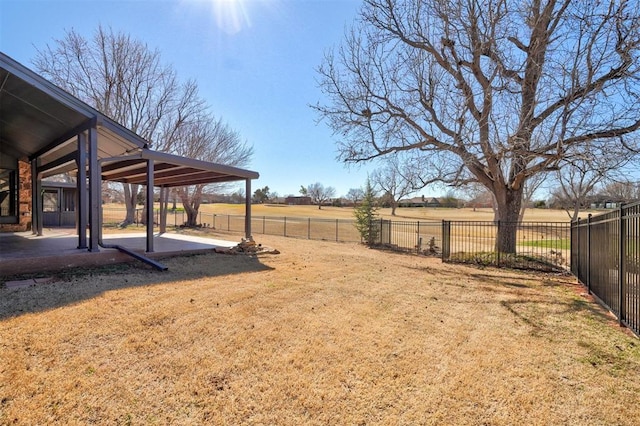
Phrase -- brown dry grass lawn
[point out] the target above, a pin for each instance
(323, 333)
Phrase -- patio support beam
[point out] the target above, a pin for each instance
(70, 134)
(36, 199)
(72, 157)
(149, 205)
(247, 210)
(94, 191)
(81, 186)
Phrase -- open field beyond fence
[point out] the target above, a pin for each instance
(405, 213)
(323, 333)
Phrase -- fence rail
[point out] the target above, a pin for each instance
(605, 256)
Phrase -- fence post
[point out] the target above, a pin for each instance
(285, 226)
(622, 230)
(264, 231)
(588, 277)
(228, 222)
(498, 245)
(419, 242)
(337, 230)
(309, 228)
(446, 239)
(575, 230)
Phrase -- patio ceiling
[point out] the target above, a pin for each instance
(40, 120)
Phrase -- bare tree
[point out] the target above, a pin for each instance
(624, 191)
(355, 195)
(581, 173)
(210, 140)
(489, 92)
(318, 193)
(125, 80)
(395, 179)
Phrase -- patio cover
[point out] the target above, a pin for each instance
(169, 170)
(58, 133)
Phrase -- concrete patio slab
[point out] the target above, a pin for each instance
(23, 252)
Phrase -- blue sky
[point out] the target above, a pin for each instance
(254, 61)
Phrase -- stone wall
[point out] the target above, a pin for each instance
(24, 199)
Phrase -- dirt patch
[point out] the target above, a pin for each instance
(322, 333)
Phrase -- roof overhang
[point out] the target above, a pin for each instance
(169, 170)
(39, 120)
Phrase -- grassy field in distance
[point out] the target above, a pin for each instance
(411, 214)
(402, 214)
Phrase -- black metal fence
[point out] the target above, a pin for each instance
(605, 256)
(539, 245)
(342, 230)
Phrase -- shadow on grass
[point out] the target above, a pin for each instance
(554, 317)
(544, 299)
(78, 284)
(536, 298)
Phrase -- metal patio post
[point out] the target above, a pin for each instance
(247, 209)
(81, 188)
(36, 199)
(149, 206)
(94, 190)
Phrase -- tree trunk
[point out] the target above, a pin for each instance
(508, 202)
(130, 202)
(192, 216)
(576, 213)
(191, 204)
(393, 209)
